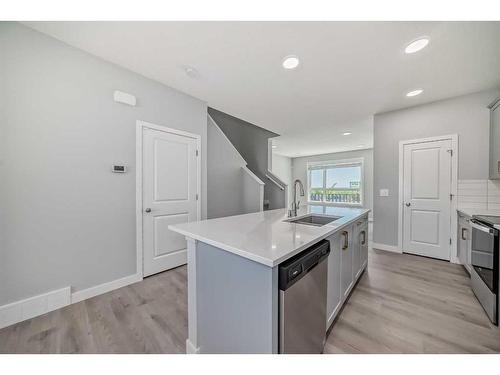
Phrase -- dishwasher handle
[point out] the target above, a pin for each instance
(294, 269)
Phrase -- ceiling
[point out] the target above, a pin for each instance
(349, 71)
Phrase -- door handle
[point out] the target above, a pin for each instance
(346, 240)
(408, 204)
(148, 210)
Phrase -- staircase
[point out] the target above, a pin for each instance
(245, 146)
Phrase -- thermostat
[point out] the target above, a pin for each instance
(119, 169)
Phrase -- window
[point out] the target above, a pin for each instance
(336, 182)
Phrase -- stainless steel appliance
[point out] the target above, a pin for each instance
(302, 301)
(486, 263)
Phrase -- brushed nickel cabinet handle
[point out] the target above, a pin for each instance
(464, 230)
(346, 240)
(364, 237)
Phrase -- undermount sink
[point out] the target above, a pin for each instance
(316, 220)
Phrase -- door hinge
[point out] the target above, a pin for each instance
(450, 151)
(196, 152)
(196, 196)
(450, 241)
(451, 197)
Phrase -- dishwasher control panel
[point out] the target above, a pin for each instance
(296, 267)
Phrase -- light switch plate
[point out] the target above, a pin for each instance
(119, 169)
(384, 192)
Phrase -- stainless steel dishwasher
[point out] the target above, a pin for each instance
(302, 301)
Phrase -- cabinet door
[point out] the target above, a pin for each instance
(334, 296)
(468, 245)
(360, 247)
(356, 251)
(462, 240)
(464, 236)
(346, 258)
(363, 245)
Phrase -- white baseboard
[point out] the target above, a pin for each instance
(191, 349)
(104, 288)
(391, 248)
(30, 307)
(43, 303)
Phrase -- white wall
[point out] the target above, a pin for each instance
(281, 167)
(253, 192)
(467, 116)
(299, 169)
(65, 219)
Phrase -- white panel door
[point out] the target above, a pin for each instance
(427, 205)
(170, 194)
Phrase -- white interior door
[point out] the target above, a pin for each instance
(427, 204)
(170, 196)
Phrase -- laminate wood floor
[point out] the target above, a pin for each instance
(402, 304)
(412, 304)
(147, 317)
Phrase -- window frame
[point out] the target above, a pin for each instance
(336, 163)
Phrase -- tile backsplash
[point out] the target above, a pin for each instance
(479, 194)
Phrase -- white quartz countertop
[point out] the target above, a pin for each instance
(265, 237)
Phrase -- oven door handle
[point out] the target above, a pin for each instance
(474, 224)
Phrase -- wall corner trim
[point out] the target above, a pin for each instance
(391, 248)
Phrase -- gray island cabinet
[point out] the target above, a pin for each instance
(233, 274)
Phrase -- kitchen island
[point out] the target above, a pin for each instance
(233, 273)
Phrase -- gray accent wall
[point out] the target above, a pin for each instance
(467, 116)
(299, 170)
(65, 219)
(251, 142)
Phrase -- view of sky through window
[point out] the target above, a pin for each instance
(338, 177)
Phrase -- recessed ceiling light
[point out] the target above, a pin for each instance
(274, 146)
(414, 93)
(359, 146)
(290, 62)
(347, 133)
(417, 45)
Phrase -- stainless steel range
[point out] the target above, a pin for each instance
(485, 262)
